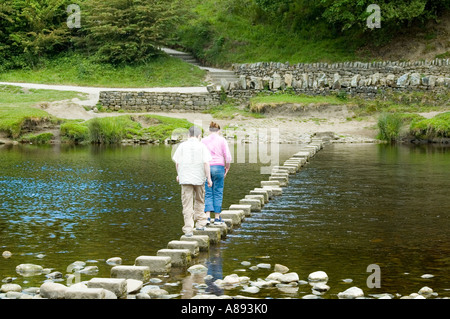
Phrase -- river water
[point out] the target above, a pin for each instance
(352, 206)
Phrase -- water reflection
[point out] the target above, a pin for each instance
(352, 206)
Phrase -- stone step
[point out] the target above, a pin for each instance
(179, 244)
(156, 264)
(214, 234)
(179, 257)
(223, 228)
(258, 197)
(246, 208)
(141, 273)
(116, 285)
(254, 203)
(270, 183)
(236, 216)
(201, 240)
(277, 191)
(261, 192)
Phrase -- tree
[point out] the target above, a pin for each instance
(127, 31)
(31, 29)
(349, 14)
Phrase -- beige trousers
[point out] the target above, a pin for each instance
(193, 201)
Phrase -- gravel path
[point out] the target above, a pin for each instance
(95, 91)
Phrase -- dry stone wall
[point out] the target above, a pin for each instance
(356, 78)
(352, 76)
(159, 101)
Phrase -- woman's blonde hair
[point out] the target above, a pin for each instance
(214, 127)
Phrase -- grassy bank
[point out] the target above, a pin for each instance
(400, 126)
(17, 112)
(23, 119)
(113, 130)
(76, 69)
(434, 128)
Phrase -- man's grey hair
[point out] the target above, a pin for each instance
(195, 131)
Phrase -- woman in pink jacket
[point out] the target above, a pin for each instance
(220, 165)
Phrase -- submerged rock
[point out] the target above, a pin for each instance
(283, 278)
(197, 269)
(318, 276)
(52, 290)
(27, 270)
(114, 261)
(351, 293)
(280, 268)
(6, 254)
(426, 291)
(11, 287)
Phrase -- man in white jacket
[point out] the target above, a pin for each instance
(192, 163)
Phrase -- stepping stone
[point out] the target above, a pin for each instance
(236, 216)
(258, 197)
(246, 208)
(116, 285)
(191, 245)
(179, 257)
(276, 191)
(283, 180)
(223, 229)
(201, 240)
(255, 204)
(131, 272)
(84, 293)
(305, 154)
(156, 264)
(270, 183)
(212, 233)
(262, 192)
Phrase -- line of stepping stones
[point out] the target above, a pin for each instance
(181, 253)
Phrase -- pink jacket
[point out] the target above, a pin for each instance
(218, 148)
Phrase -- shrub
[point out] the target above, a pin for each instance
(105, 131)
(389, 125)
(75, 132)
(42, 138)
(436, 127)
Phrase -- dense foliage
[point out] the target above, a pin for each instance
(128, 31)
(115, 31)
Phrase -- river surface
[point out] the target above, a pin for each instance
(352, 206)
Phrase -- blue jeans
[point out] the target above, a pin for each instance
(214, 194)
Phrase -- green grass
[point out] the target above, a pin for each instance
(164, 126)
(16, 107)
(17, 111)
(436, 127)
(112, 130)
(230, 111)
(298, 99)
(222, 35)
(75, 69)
(389, 125)
(31, 138)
